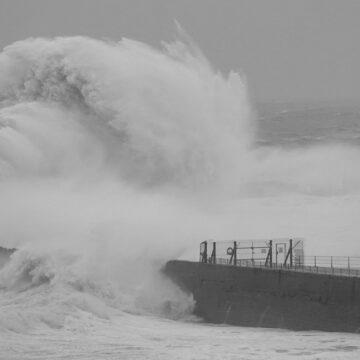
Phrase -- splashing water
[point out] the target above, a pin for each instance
(98, 141)
(115, 157)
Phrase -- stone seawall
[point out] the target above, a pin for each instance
(270, 298)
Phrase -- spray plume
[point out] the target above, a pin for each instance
(110, 156)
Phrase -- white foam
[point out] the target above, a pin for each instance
(115, 157)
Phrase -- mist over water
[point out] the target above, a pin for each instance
(115, 157)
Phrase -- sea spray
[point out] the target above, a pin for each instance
(115, 157)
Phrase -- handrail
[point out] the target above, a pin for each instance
(302, 268)
(266, 254)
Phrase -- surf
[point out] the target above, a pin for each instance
(117, 156)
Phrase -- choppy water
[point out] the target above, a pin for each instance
(303, 124)
(133, 337)
(117, 157)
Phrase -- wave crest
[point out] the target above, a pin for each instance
(157, 116)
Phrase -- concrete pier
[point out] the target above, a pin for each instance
(270, 297)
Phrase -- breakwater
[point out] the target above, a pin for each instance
(265, 297)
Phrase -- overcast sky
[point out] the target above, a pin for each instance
(289, 49)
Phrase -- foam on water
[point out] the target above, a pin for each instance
(115, 157)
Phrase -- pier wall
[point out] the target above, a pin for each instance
(270, 298)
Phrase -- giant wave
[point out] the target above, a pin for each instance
(115, 157)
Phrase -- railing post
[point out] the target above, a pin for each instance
(331, 260)
(214, 252)
(315, 261)
(252, 253)
(289, 254)
(271, 253)
(234, 252)
(349, 264)
(205, 258)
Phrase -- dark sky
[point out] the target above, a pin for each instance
(289, 49)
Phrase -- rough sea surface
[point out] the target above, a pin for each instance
(115, 157)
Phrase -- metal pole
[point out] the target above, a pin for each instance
(235, 260)
(331, 259)
(252, 253)
(291, 252)
(214, 252)
(205, 253)
(315, 261)
(270, 252)
(349, 264)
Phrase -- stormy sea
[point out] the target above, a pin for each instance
(116, 157)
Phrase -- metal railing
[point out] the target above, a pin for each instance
(342, 271)
(266, 254)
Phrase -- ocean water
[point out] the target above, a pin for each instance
(305, 123)
(115, 157)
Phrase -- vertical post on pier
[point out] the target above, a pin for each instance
(214, 253)
(331, 260)
(205, 258)
(268, 260)
(252, 253)
(291, 252)
(235, 254)
(315, 261)
(349, 264)
(271, 253)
